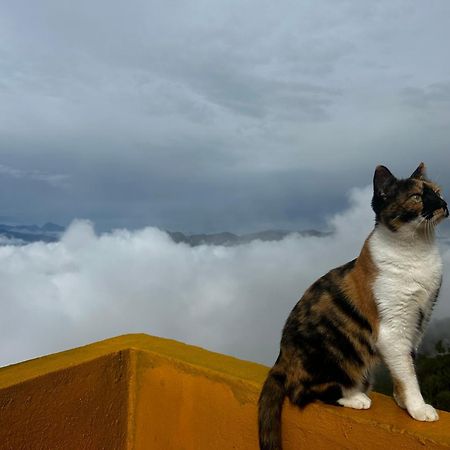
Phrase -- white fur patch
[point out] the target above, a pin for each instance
(409, 275)
(355, 400)
(408, 279)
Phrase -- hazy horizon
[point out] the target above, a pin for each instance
(232, 300)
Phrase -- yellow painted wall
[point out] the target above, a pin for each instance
(83, 406)
(141, 392)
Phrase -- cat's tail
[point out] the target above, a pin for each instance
(269, 412)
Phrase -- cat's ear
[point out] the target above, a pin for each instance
(382, 180)
(419, 173)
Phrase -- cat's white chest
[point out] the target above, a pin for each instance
(409, 274)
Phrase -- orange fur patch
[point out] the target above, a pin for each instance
(358, 286)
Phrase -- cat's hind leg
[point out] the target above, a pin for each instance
(354, 398)
(335, 394)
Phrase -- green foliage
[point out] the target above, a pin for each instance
(434, 377)
(383, 381)
(443, 400)
(440, 347)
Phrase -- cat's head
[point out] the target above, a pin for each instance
(414, 203)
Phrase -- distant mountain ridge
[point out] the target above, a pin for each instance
(231, 239)
(51, 232)
(25, 234)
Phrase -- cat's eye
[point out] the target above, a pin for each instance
(416, 197)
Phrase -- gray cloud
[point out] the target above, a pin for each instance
(55, 180)
(189, 116)
(436, 94)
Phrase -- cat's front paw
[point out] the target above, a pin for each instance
(424, 413)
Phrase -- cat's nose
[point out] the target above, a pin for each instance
(445, 208)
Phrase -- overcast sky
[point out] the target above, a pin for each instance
(210, 115)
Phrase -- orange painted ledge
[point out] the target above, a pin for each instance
(142, 392)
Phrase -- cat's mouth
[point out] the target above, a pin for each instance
(437, 215)
(427, 223)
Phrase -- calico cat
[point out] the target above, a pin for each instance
(377, 305)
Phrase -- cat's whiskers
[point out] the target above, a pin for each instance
(426, 227)
(396, 218)
(429, 232)
(420, 227)
(431, 223)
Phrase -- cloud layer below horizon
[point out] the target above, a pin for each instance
(228, 299)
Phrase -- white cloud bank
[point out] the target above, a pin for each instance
(228, 299)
